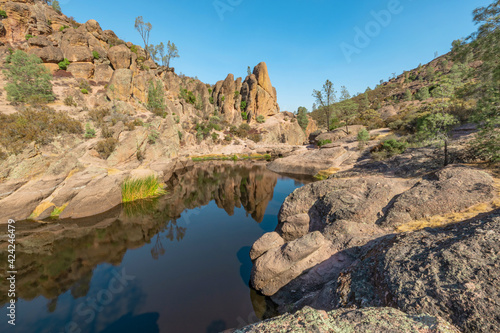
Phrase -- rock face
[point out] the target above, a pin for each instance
(120, 86)
(283, 129)
(447, 191)
(451, 272)
(340, 321)
(351, 215)
(311, 162)
(278, 266)
(258, 93)
(120, 57)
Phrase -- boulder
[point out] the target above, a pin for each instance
(99, 196)
(103, 73)
(267, 242)
(84, 70)
(120, 86)
(120, 57)
(450, 272)
(78, 54)
(23, 201)
(39, 41)
(340, 133)
(278, 266)
(351, 320)
(450, 190)
(310, 163)
(49, 54)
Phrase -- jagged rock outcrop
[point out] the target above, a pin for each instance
(120, 57)
(258, 93)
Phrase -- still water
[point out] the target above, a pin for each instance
(177, 264)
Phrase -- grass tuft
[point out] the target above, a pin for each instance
(141, 188)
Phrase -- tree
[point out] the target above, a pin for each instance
(437, 127)
(172, 53)
(325, 98)
(56, 6)
(423, 94)
(249, 71)
(484, 44)
(29, 79)
(347, 111)
(363, 138)
(408, 95)
(302, 117)
(144, 30)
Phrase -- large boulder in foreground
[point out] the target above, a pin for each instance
(451, 272)
(351, 321)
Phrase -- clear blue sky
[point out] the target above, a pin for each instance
(300, 40)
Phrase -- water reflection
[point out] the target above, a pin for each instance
(194, 245)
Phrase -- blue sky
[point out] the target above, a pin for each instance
(300, 40)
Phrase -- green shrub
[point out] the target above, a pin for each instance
(64, 64)
(188, 96)
(228, 138)
(389, 148)
(28, 36)
(255, 137)
(96, 54)
(106, 147)
(236, 94)
(223, 98)
(211, 99)
(156, 98)
(69, 101)
(134, 49)
(85, 85)
(63, 28)
(144, 188)
(106, 132)
(89, 131)
(321, 143)
(244, 115)
(243, 105)
(215, 137)
(28, 79)
(180, 135)
(153, 136)
(3, 14)
(84, 91)
(261, 119)
(41, 126)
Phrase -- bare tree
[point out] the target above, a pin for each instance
(172, 52)
(325, 98)
(144, 29)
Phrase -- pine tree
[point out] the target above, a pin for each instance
(29, 79)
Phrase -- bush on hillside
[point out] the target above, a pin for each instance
(18, 130)
(28, 79)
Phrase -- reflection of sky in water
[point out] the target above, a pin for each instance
(197, 284)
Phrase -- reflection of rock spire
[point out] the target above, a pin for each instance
(158, 249)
